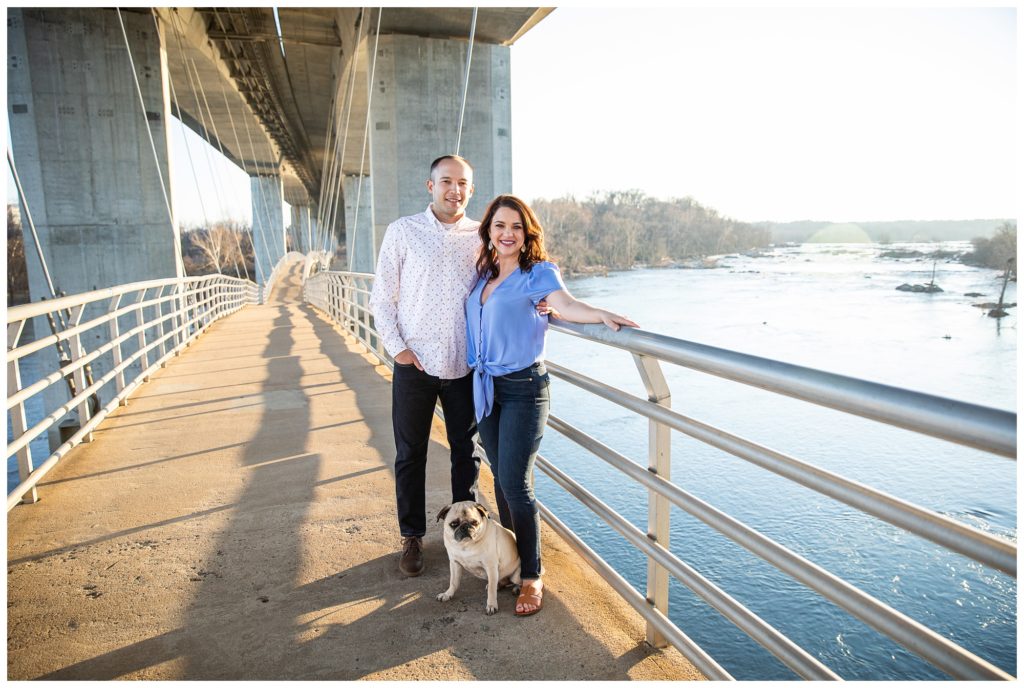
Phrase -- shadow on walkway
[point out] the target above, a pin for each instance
(230, 524)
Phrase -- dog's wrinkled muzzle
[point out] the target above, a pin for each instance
(463, 532)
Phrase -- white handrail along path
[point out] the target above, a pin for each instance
(139, 326)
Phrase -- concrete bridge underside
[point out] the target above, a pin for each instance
(91, 93)
(277, 104)
(236, 521)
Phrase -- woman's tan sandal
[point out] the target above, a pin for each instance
(529, 598)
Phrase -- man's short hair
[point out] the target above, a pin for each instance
(459, 158)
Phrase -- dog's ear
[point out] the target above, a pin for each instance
(443, 512)
(481, 509)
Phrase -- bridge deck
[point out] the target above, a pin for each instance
(235, 521)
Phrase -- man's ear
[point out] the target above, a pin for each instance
(430, 186)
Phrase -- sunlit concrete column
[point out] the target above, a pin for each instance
(361, 241)
(302, 225)
(81, 145)
(268, 232)
(417, 95)
(96, 189)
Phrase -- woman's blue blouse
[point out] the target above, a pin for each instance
(506, 333)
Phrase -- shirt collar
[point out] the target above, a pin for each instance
(463, 222)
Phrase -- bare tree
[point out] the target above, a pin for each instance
(17, 273)
(218, 248)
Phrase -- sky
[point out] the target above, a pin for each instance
(773, 114)
(761, 113)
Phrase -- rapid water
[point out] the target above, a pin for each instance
(834, 308)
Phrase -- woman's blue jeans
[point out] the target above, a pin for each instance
(511, 436)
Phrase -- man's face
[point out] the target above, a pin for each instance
(450, 187)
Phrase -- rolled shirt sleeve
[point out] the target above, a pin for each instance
(543, 279)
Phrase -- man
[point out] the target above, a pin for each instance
(425, 270)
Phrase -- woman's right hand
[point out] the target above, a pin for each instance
(615, 321)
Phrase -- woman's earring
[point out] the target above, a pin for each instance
(490, 245)
(522, 249)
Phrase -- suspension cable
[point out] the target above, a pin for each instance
(188, 151)
(366, 136)
(206, 132)
(465, 85)
(241, 155)
(263, 201)
(31, 224)
(220, 146)
(179, 264)
(337, 179)
(326, 167)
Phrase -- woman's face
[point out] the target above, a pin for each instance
(507, 232)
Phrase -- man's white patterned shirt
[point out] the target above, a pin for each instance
(424, 274)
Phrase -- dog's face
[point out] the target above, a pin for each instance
(463, 520)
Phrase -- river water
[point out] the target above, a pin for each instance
(834, 308)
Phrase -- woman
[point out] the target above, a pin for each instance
(510, 383)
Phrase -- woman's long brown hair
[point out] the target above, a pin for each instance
(487, 263)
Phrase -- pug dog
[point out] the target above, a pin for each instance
(480, 546)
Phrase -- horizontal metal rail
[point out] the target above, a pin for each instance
(750, 623)
(344, 297)
(986, 548)
(162, 317)
(972, 425)
(938, 650)
(682, 642)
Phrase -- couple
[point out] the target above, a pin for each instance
(458, 304)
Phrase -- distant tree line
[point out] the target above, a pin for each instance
(619, 229)
(996, 251)
(17, 272)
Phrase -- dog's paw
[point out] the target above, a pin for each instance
(491, 610)
(445, 596)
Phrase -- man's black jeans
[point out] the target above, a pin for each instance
(413, 396)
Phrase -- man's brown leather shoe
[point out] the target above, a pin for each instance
(411, 563)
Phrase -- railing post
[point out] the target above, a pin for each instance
(117, 353)
(19, 424)
(659, 462)
(180, 330)
(140, 320)
(77, 353)
(190, 318)
(160, 324)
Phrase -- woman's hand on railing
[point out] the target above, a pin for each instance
(615, 321)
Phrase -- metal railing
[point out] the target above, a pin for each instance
(128, 332)
(345, 297)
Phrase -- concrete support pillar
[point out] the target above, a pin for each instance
(80, 140)
(417, 96)
(267, 223)
(83, 153)
(302, 227)
(360, 238)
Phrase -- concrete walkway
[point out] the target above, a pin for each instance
(236, 521)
